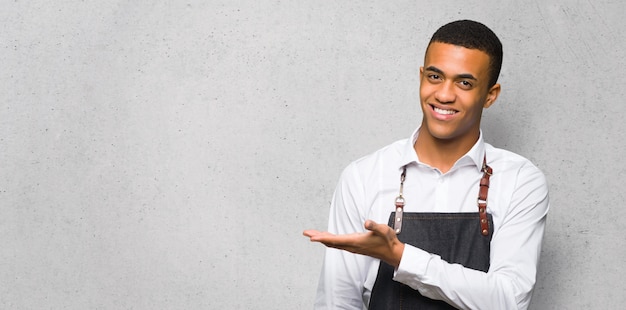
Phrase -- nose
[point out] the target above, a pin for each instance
(445, 92)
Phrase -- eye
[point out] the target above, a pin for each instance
(465, 84)
(433, 77)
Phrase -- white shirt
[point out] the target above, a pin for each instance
(517, 200)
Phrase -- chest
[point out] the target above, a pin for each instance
(430, 191)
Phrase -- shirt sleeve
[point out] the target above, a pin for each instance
(515, 250)
(343, 273)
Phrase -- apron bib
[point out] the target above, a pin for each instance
(461, 238)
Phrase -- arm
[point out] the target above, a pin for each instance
(515, 249)
(343, 273)
(380, 241)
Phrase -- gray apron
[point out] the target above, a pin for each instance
(462, 238)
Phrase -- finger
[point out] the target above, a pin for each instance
(379, 229)
(319, 236)
(311, 232)
(336, 241)
(370, 225)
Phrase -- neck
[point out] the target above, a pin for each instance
(440, 153)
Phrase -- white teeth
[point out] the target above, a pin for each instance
(445, 112)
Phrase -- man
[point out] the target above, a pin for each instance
(465, 219)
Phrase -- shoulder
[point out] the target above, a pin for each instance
(505, 159)
(388, 155)
(361, 177)
(512, 167)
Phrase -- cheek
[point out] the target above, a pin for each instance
(475, 105)
(425, 91)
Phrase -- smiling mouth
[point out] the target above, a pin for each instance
(443, 111)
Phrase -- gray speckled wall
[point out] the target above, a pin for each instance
(168, 155)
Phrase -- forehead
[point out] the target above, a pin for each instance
(454, 59)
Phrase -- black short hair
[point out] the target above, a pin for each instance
(473, 35)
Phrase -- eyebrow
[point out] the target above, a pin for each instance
(460, 76)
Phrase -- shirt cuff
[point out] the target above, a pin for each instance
(413, 266)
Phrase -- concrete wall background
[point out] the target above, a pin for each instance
(167, 155)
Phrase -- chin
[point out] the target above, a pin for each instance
(439, 133)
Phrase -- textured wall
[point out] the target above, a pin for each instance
(167, 155)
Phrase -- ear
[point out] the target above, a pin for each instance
(492, 95)
(421, 72)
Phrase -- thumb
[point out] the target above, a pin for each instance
(371, 226)
(379, 229)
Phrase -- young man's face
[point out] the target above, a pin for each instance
(454, 89)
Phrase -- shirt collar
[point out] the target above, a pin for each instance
(473, 157)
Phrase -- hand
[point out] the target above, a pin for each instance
(379, 241)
